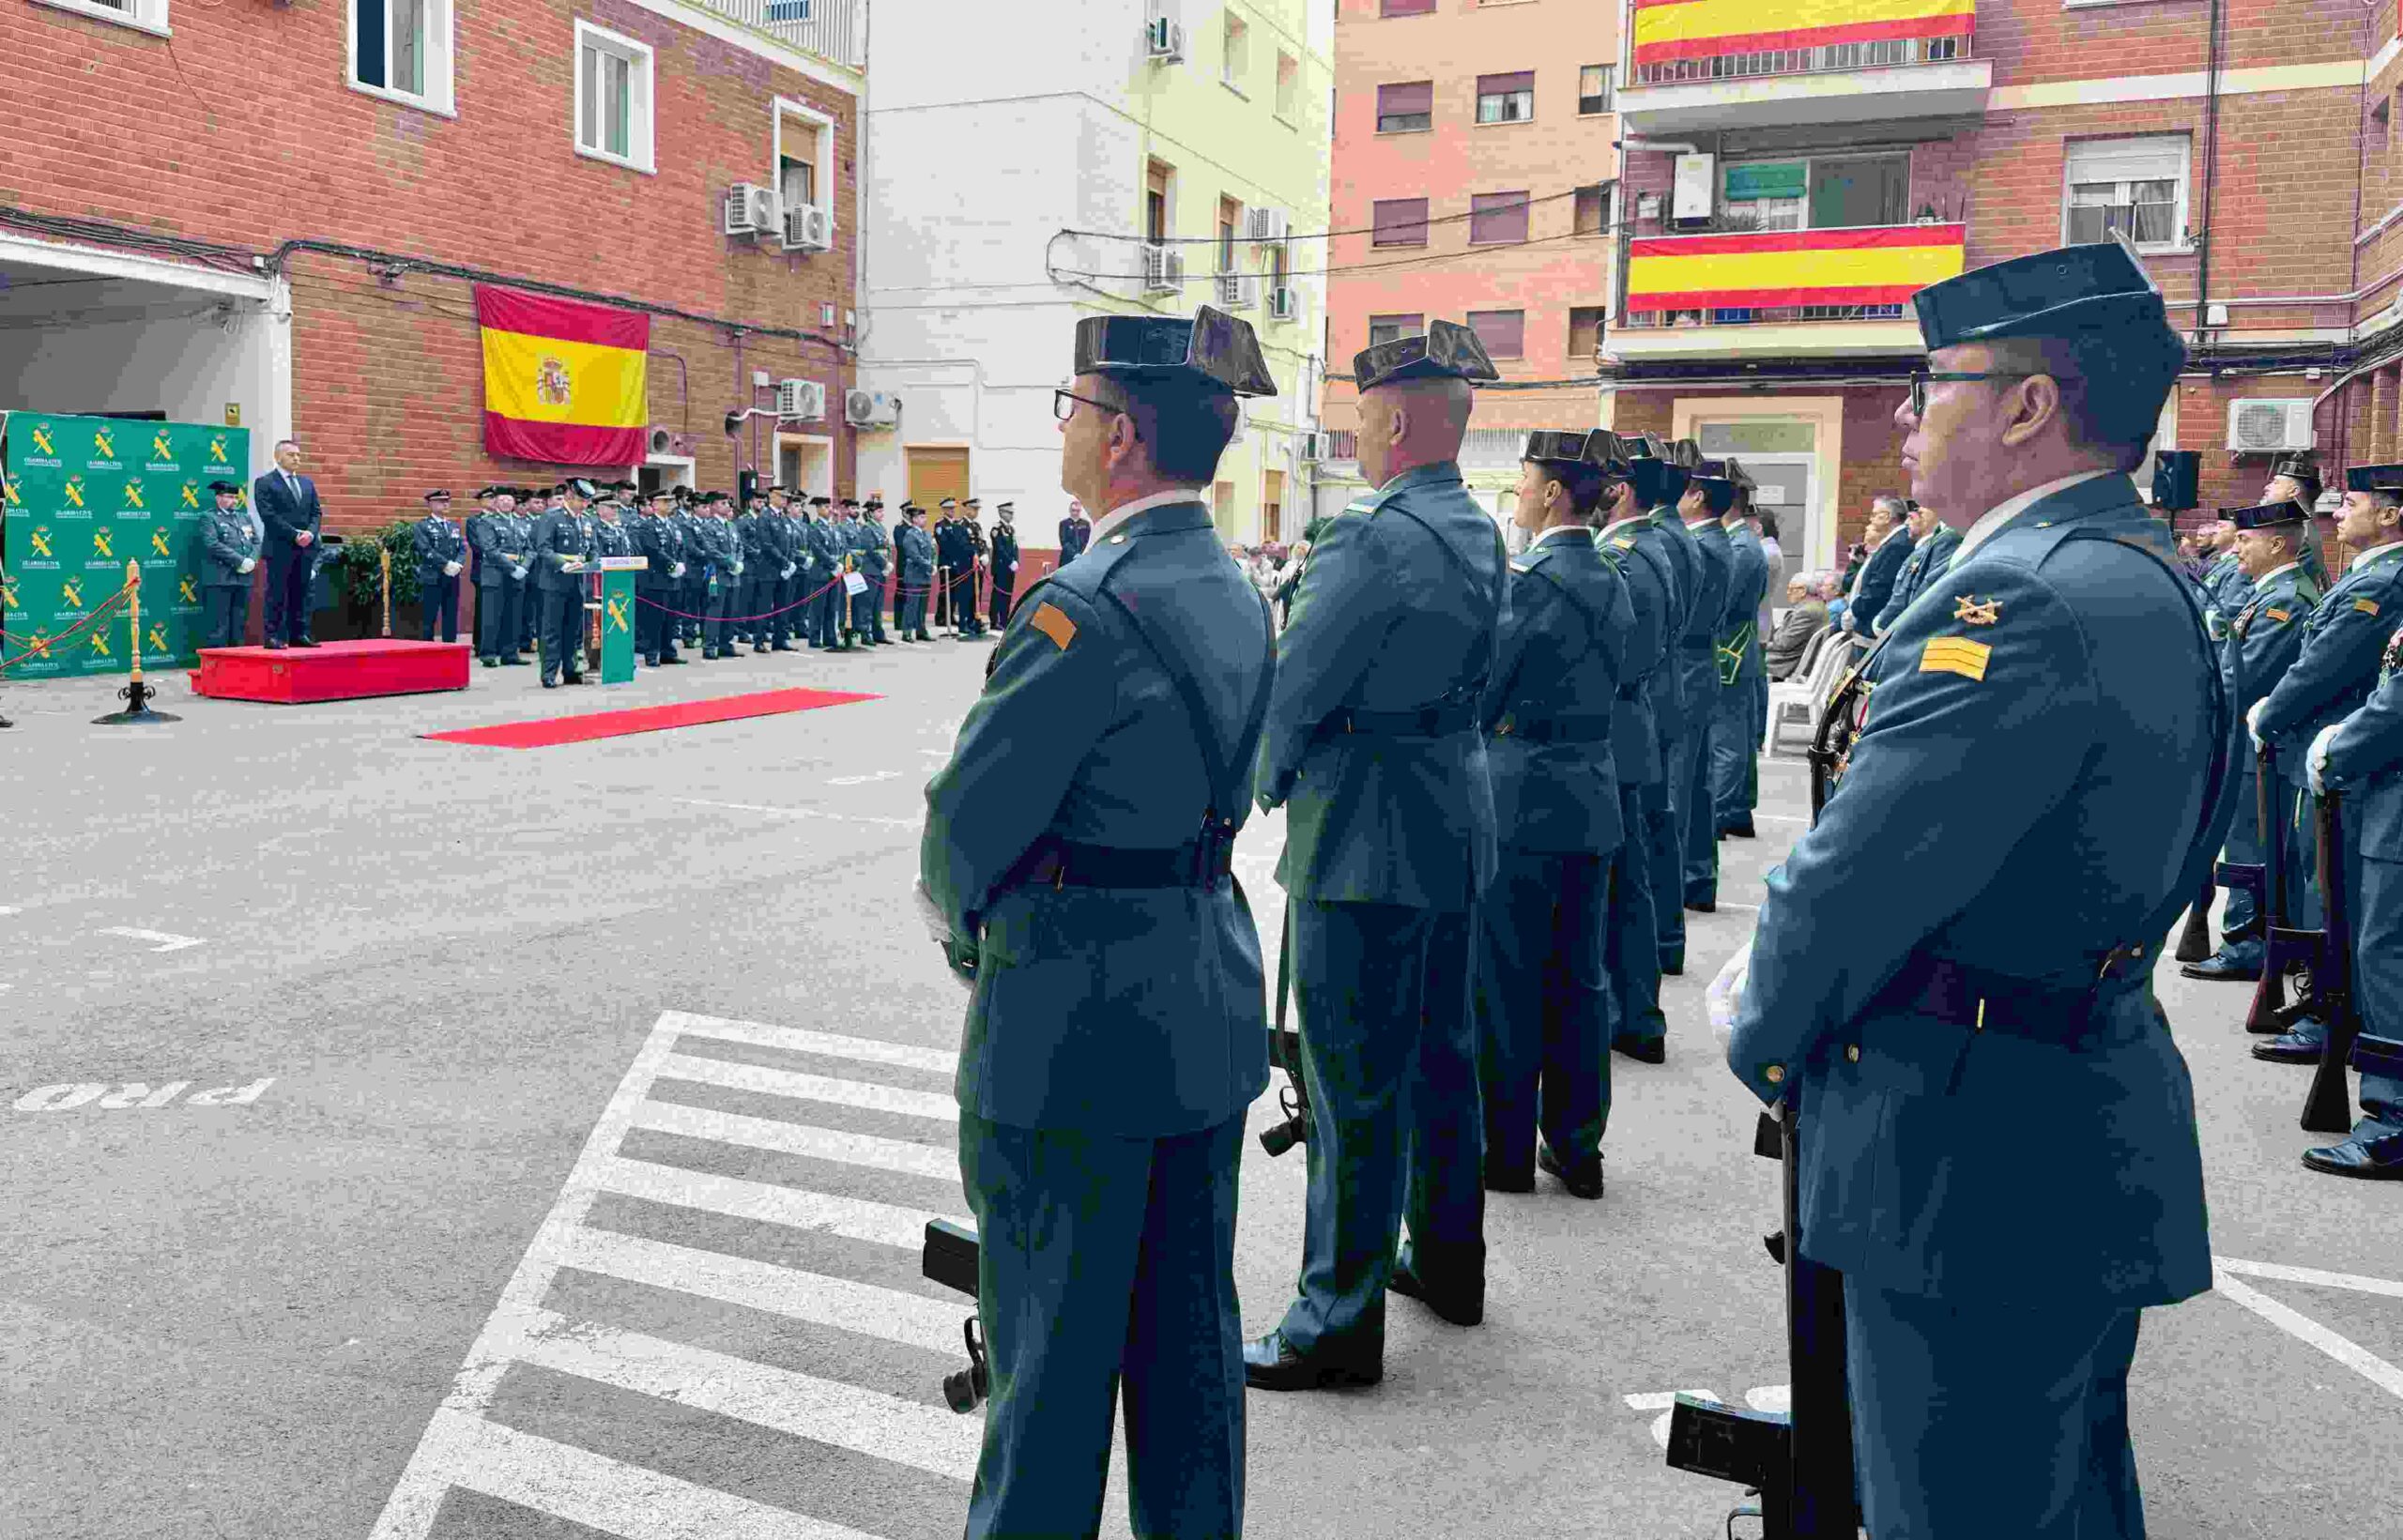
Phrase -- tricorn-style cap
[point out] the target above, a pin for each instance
(819, 502)
(225, 486)
(1448, 351)
(1555, 447)
(2300, 466)
(440, 495)
(581, 488)
(2267, 516)
(2374, 479)
(1213, 349)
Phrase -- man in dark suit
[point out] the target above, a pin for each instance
(1890, 546)
(287, 505)
(1076, 533)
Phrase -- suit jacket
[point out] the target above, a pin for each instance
(226, 541)
(1392, 615)
(1137, 1013)
(438, 542)
(2366, 761)
(283, 514)
(1878, 574)
(917, 555)
(1075, 535)
(1923, 566)
(1560, 664)
(2064, 760)
(1672, 553)
(1647, 670)
(1792, 638)
(560, 539)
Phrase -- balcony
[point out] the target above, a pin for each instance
(1830, 293)
(1701, 65)
(832, 29)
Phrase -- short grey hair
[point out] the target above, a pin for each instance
(1891, 503)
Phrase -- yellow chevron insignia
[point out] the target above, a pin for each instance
(1051, 622)
(2367, 606)
(2278, 615)
(1955, 655)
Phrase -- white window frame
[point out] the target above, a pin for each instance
(1288, 104)
(641, 83)
(1235, 52)
(2132, 158)
(810, 120)
(441, 30)
(148, 16)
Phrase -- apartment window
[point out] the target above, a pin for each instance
(1392, 328)
(1277, 268)
(1157, 180)
(1408, 107)
(401, 49)
(1497, 217)
(804, 156)
(1835, 192)
(612, 97)
(2134, 188)
(1505, 98)
(1585, 334)
(145, 15)
(1289, 86)
(1271, 505)
(1504, 332)
(1594, 88)
(1406, 7)
(1229, 221)
(1232, 65)
(1593, 211)
(1397, 221)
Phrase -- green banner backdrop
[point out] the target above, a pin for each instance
(84, 496)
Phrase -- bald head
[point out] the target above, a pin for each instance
(1410, 423)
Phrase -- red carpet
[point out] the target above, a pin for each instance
(646, 719)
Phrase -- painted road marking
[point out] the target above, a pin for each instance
(2281, 1273)
(863, 780)
(65, 1097)
(2355, 1357)
(169, 941)
(1663, 1401)
(463, 1446)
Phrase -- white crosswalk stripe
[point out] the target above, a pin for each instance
(470, 1445)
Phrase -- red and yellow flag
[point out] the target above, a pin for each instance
(1667, 30)
(565, 382)
(1881, 265)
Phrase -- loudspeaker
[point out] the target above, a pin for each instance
(746, 485)
(2175, 475)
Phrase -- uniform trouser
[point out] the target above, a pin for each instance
(910, 607)
(1985, 1417)
(1734, 770)
(1389, 1059)
(438, 597)
(720, 607)
(1664, 825)
(943, 595)
(1543, 1007)
(867, 609)
(289, 569)
(497, 623)
(650, 622)
(758, 597)
(2239, 940)
(1630, 943)
(2378, 986)
(1698, 827)
(1105, 1272)
(529, 613)
(227, 607)
(1002, 600)
(829, 607)
(787, 625)
(562, 628)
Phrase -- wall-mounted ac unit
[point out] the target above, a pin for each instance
(1314, 448)
(1164, 39)
(1163, 270)
(804, 399)
(659, 440)
(2265, 425)
(1238, 291)
(1283, 304)
(751, 210)
(1266, 225)
(871, 408)
(810, 229)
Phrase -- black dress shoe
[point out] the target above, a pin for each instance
(492, 662)
(2304, 1044)
(1655, 1051)
(1271, 1364)
(304, 642)
(571, 678)
(512, 660)
(1583, 1178)
(924, 638)
(782, 647)
(550, 685)
(671, 659)
(1703, 906)
(275, 647)
(2376, 1157)
(1499, 1180)
(1456, 1305)
(2219, 968)
(1673, 968)
(1742, 830)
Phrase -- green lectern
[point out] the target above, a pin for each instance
(617, 615)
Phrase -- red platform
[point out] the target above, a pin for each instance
(331, 670)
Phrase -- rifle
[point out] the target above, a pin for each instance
(2285, 948)
(1285, 1052)
(2236, 876)
(2329, 1107)
(950, 1258)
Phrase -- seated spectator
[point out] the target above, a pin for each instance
(1804, 618)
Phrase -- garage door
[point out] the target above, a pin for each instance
(937, 473)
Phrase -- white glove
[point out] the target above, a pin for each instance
(450, 569)
(738, 569)
(250, 562)
(2252, 721)
(517, 574)
(1725, 996)
(677, 571)
(2315, 761)
(787, 571)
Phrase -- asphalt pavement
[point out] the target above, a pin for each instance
(400, 1138)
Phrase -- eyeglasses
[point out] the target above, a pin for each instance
(1920, 378)
(1064, 405)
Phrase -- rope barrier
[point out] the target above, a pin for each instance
(42, 649)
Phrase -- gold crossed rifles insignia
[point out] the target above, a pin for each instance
(1976, 612)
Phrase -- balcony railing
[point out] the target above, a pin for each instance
(1756, 63)
(834, 30)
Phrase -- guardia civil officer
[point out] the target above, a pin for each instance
(532, 503)
(1698, 811)
(2052, 706)
(1660, 486)
(2295, 478)
(564, 541)
(441, 552)
(2261, 644)
(917, 572)
(1082, 834)
(952, 557)
(1544, 1001)
(2331, 678)
(1734, 736)
(690, 592)
(661, 545)
(2362, 757)
(1004, 563)
(230, 543)
(1932, 544)
(834, 603)
(1374, 749)
(979, 556)
(876, 565)
(2225, 585)
(500, 555)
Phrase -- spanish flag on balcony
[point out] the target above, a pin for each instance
(1667, 30)
(565, 382)
(1881, 265)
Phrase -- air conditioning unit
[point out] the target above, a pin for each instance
(1283, 304)
(1314, 448)
(1267, 225)
(661, 440)
(751, 210)
(871, 408)
(800, 399)
(809, 228)
(2265, 426)
(1163, 270)
(1238, 291)
(1164, 41)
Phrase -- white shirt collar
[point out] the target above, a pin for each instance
(1123, 512)
(2274, 571)
(1621, 524)
(1583, 531)
(1992, 521)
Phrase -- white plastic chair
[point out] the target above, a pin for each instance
(1800, 700)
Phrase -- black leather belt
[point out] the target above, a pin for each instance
(1059, 863)
(1559, 730)
(2061, 1014)
(1441, 720)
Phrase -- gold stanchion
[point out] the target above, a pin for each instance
(136, 694)
(384, 565)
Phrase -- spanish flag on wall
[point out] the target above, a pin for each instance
(1701, 29)
(1883, 265)
(565, 382)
